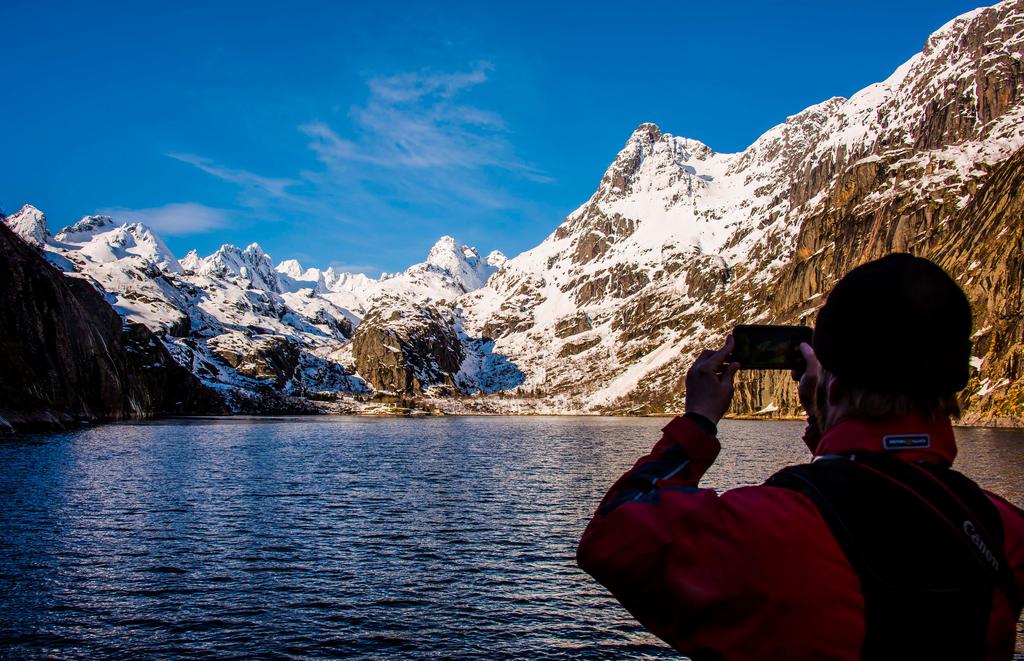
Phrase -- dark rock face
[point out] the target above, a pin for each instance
(572, 325)
(405, 347)
(66, 357)
(269, 358)
(984, 251)
(578, 346)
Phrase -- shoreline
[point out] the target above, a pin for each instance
(50, 424)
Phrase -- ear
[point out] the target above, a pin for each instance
(835, 390)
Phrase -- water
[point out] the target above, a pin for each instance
(323, 537)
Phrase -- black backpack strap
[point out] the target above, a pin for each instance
(927, 586)
(966, 508)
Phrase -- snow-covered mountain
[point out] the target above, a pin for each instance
(322, 281)
(449, 271)
(103, 241)
(677, 245)
(30, 224)
(267, 338)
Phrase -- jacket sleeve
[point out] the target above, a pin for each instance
(1013, 550)
(671, 553)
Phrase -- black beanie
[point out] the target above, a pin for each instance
(898, 324)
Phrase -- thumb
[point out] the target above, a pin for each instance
(808, 353)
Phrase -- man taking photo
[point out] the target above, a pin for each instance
(876, 550)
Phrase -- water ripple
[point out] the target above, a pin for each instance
(339, 537)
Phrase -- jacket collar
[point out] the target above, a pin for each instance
(911, 438)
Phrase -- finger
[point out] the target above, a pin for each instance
(807, 351)
(719, 357)
(702, 358)
(730, 371)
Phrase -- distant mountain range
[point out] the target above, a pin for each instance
(676, 246)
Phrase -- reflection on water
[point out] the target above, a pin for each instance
(342, 536)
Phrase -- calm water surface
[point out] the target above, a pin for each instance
(323, 537)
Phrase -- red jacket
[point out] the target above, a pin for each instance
(754, 572)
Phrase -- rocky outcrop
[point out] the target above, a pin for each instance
(572, 325)
(270, 358)
(66, 356)
(406, 347)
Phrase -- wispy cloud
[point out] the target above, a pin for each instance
(413, 121)
(411, 86)
(274, 187)
(177, 219)
(344, 267)
(413, 156)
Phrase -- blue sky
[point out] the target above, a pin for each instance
(355, 134)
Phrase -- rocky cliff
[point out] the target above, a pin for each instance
(402, 347)
(680, 243)
(984, 249)
(66, 356)
(980, 245)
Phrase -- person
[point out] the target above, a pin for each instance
(876, 549)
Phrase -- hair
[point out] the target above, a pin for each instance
(874, 405)
(866, 404)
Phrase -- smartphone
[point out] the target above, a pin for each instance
(770, 347)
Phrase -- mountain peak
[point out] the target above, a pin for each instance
(447, 254)
(496, 258)
(451, 269)
(650, 154)
(255, 250)
(30, 224)
(105, 241)
(291, 268)
(27, 209)
(226, 249)
(85, 228)
(251, 264)
(441, 251)
(648, 131)
(191, 261)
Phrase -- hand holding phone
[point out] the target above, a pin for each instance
(709, 382)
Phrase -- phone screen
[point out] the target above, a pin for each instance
(770, 347)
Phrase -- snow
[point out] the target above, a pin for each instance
(630, 378)
(987, 387)
(450, 270)
(30, 224)
(102, 240)
(250, 267)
